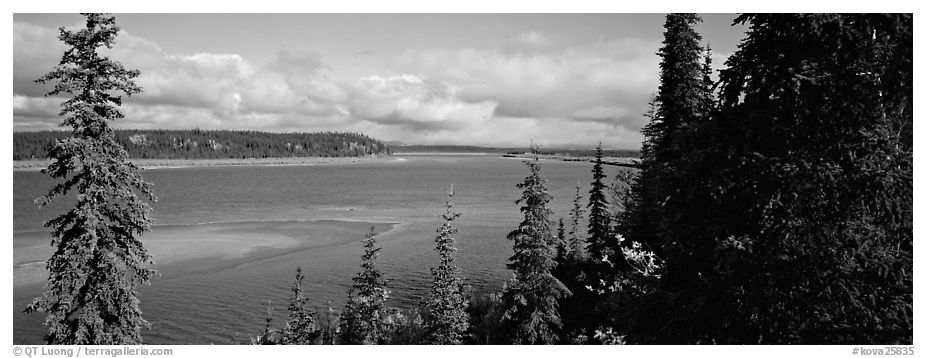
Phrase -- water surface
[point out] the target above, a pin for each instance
(308, 216)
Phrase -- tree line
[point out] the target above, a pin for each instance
(213, 144)
(773, 206)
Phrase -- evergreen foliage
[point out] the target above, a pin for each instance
(98, 261)
(683, 101)
(214, 144)
(269, 335)
(562, 250)
(794, 221)
(447, 303)
(361, 320)
(301, 326)
(601, 243)
(531, 297)
(576, 242)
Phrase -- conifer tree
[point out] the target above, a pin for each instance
(531, 298)
(576, 242)
(684, 99)
(267, 336)
(796, 219)
(447, 302)
(301, 327)
(601, 244)
(98, 261)
(361, 319)
(562, 250)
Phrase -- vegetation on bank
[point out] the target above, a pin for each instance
(214, 144)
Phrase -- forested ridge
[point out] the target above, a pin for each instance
(214, 144)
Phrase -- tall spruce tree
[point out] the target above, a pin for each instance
(98, 261)
(301, 327)
(446, 302)
(682, 102)
(796, 219)
(361, 320)
(601, 243)
(530, 299)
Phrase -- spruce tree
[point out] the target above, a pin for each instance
(796, 223)
(531, 298)
(682, 102)
(267, 337)
(446, 302)
(575, 241)
(98, 261)
(301, 327)
(601, 243)
(562, 249)
(361, 319)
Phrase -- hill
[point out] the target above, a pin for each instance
(215, 144)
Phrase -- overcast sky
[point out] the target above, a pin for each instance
(488, 79)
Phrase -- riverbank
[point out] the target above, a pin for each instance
(36, 165)
(616, 161)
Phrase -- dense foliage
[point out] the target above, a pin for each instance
(683, 101)
(98, 260)
(793, 223)
(215, 144)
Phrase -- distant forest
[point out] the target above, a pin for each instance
(214, 144)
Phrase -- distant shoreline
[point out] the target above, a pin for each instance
(36, 165)
(616, 161)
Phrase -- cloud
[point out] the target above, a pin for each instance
(537, 89)
(36, 51)
(534, 38)
(605, 82)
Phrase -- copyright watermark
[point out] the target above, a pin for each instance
(883, 351)
(90, 351)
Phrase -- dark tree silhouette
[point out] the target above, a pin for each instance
(794, 221)
(684, 100)
(600, 240)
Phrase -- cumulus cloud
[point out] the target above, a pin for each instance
(537, 89)
(603, 82)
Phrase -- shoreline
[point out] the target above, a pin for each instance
(36, 165)
(626, 162)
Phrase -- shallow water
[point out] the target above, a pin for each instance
(224, 303)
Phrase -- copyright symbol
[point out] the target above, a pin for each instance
(17, 351)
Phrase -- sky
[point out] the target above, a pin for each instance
(560, 80)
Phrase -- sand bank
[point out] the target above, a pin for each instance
(180, 249)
